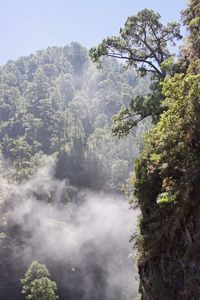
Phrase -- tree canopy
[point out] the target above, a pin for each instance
(53, 103)
(143, 43)
(36, 283)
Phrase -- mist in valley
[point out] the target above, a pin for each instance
(84, 243)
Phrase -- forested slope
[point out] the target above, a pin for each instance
(55, 141)
(57, 102)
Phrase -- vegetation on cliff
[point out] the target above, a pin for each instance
(167, 183)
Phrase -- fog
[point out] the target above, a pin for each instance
(82, 236)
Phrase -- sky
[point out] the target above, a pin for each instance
(30, 25)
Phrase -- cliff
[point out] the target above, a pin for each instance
(167, 184)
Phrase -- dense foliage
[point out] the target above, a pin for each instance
(56, 103)
(167, 183)
(173, 146)
(36, 283)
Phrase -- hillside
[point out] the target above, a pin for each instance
(58, 158)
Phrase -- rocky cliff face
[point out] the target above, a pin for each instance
(169, 266)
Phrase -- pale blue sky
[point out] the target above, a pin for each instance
(30, 25)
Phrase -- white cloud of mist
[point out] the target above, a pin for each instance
(88, 236)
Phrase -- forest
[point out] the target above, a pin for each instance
(58, 159)
(80, 129)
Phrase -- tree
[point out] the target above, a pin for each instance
(37, 285)
(38, 96)
(143, 44)
(32, 127)
(43, 289)
(78, 57)
(66, 87)
(191, 19)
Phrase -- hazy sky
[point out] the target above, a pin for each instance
(30, 25)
